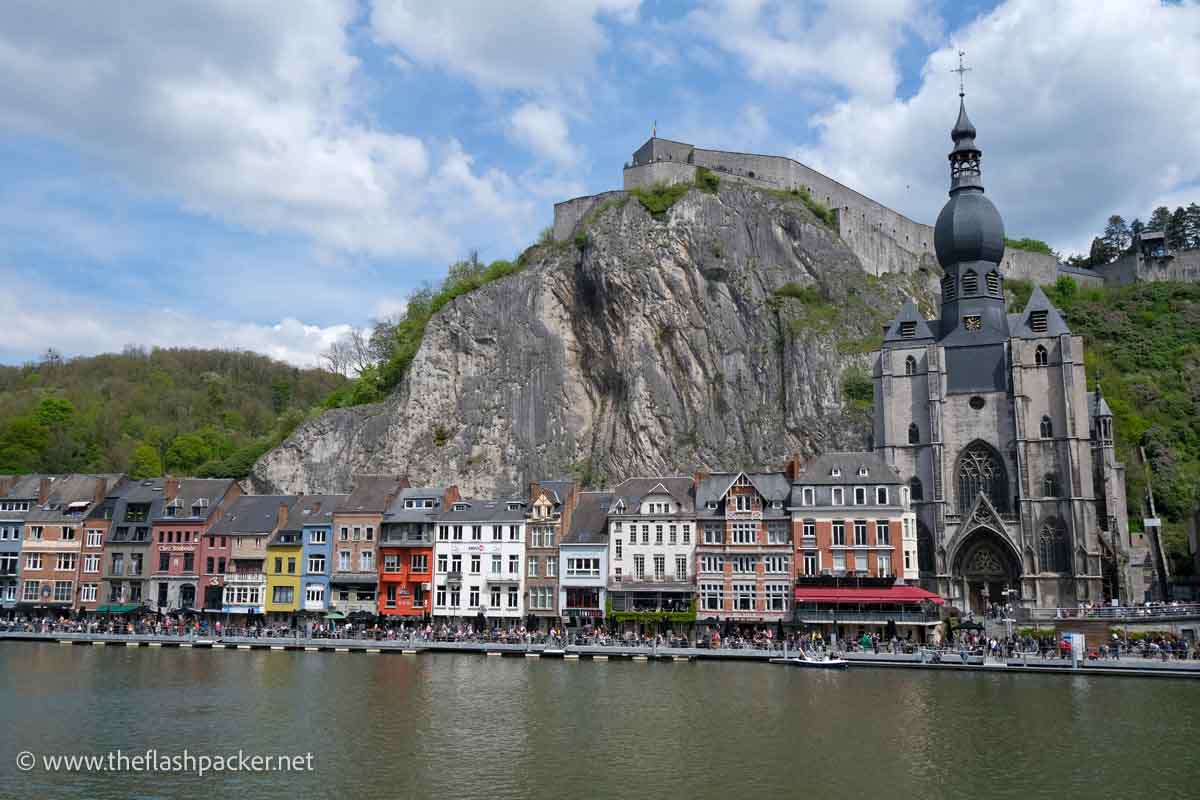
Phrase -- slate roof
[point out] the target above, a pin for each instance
(771, 485)
(589, 521)
(909, 313)
(68, 490)
(558, 491)
(1019, 324)
(251, 514)
(145, 492)
(631, 491)
(26, 487)
(396, 512)
(191, 490)
(371, 494)
(312, 509)
(478, 510)
(1097, 405)
(818, 471)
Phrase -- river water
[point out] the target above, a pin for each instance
(442, 725)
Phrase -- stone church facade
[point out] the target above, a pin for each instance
(986, 414)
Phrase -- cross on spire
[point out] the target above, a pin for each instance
(961, 70)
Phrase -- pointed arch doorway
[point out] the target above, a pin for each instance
(986, 566)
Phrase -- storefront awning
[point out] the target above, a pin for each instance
(898, 595)
(117, 609)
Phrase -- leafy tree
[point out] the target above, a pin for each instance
(54, 411)
(1116, 234)
(1135, 229)
(1176, 229)
(1159, 219)
(281, 395)
(1100, 253)
(186, 453)
(145, 462)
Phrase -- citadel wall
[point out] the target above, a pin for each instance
(1182, 265)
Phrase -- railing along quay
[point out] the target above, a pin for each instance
(923, 658)
(1128, 614)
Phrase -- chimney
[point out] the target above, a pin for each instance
(534, 487)
(793, 467)
(101, 491)
(43, 491)
(6, 483)
(170, 489)
(451, 496)
(281, 516)
(405, 483)
(698, 476)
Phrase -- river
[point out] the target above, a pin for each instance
(442, 725)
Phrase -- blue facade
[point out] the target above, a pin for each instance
(11, 532)
(317, 541)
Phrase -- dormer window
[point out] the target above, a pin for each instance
(410, 504)
(908, 330)
(776, 504)
(862, 472)
(836, 472)
(514, 506)
(1037, 321)
(710, 505)
(460, 506)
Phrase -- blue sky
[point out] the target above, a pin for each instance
(265, 175)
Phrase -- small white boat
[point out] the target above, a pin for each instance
(554, 651)
(827, 662)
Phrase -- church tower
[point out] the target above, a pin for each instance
(987, 416)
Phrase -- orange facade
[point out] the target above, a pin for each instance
(405, 580)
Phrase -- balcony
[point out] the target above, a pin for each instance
(809, 616)
(245, 578)
(350, 576)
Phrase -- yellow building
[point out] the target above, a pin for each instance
(283, 570)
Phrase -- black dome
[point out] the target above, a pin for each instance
(968, 229)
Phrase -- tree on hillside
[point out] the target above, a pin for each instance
(1159, 219)
(145, 463)
(1099, 254)
(1135, 229)
(1176, 229)
(1116, 234)
(1192, 226)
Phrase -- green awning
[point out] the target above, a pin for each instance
(335, 615)
(116, 609)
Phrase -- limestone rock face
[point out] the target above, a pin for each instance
(644, 346)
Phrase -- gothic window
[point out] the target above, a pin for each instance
(916, 490)
(981, 470)
(1050, 485)
(949, 291)
(1040, 357)
(1047, 428)
(970, 282)
(914, 434)
(910, 366)
(1052, 547)
(993, 283)
(925, 555)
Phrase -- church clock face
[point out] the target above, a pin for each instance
(973, 322)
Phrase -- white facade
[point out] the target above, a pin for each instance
(479, 568)
(583, 570)
(651, 545)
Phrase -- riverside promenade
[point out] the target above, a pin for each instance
(928, 659)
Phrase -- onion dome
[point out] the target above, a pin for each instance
(969, 227)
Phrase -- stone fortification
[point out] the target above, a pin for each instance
(884, 240)
(1182, 265)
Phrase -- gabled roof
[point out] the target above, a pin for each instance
(72, 497)
(191, 492)
(252, 514)
(371, 494)
(312, 509)
(589, 522)
(909, 315)
(1097, 405)
(680, 489)
(1021, 327)
(556, 491)
(770, 485)
(819, 471)
(26, 487)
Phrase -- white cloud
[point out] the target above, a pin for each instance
(851, 45)
(543, 132)
(77, 324)
(238, 111)
(1070, 131)
(542, 45)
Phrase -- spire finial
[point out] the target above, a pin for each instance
(962, 68)
(654, 130)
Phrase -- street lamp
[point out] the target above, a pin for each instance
(1008, 620)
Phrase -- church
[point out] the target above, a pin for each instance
(987, 416)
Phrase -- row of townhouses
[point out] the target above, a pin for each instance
(804, 545)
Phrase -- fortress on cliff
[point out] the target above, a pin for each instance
(883, 239)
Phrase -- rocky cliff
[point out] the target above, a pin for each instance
(645, 344)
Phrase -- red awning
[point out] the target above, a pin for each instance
(903, 595)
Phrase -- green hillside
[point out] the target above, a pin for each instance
(1143, 344)
(183, 411)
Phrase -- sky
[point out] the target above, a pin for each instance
(264, 175)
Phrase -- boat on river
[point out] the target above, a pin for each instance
(802, 659)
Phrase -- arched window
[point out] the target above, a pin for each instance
(914, 434)
(1052, 547)
(926, 561)
(910, 366)
(915, 489)
(970, 282)
(949, 291)
(1040, 357)
(1050, 485)
(1047, 428)
(981, 470)
(993, 283)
